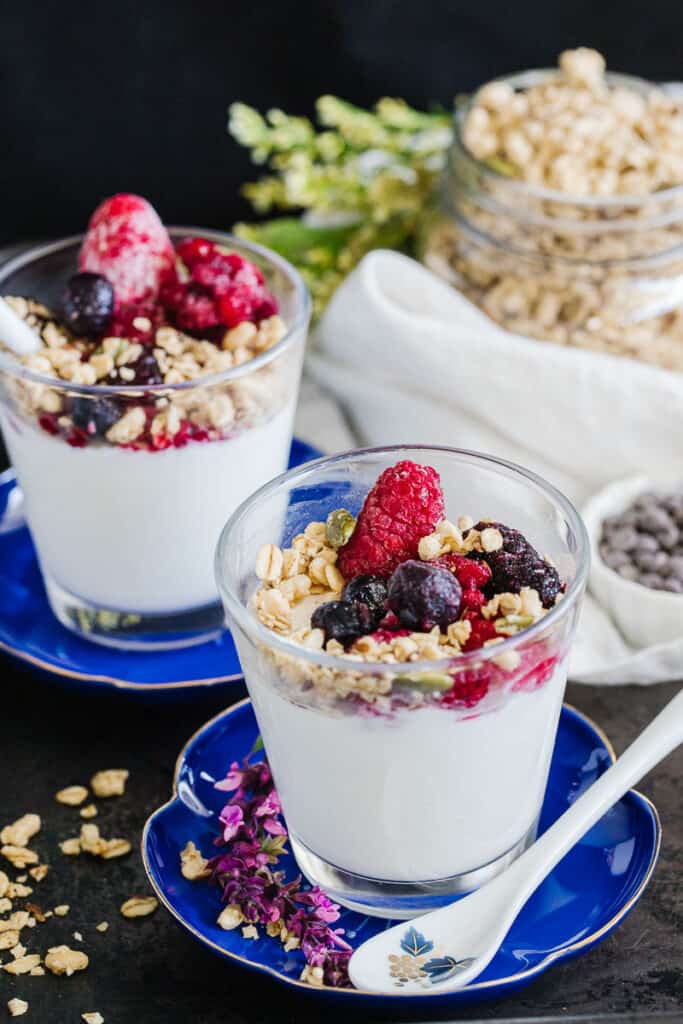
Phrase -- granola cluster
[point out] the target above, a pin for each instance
(153, 355)
(598, 267)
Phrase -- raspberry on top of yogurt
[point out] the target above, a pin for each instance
(140, 313)
(403, 584)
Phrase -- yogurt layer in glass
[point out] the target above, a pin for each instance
(407, 774)
(125, 523)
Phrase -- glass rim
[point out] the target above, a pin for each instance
(13, 368)
(523, 80)
(246, 619)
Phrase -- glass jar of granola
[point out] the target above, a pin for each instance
(561, 209)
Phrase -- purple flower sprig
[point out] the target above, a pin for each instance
(252, 840)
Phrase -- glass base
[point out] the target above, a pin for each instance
(378, 897)
(135, 631)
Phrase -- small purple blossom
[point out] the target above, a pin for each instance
(232, 817)
(252, 841)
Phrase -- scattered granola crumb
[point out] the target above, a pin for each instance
(139, 906)
(230, 917)
(4, 883)
(63, 960)
(92, 1018)
(72, 795)
(39, 872)
(102, 926)
(71, 847)
(23, 965)
(110, 782)
(36, 911)
(62, 910)
(37, 972)
(89, 811)
(5, 904)
(312, 975)
(8, 939)
(18, 891)
(17, 1007)
(20, 832)
(19, 856)
(250, 932)
(78, 937)
(192, 864)
(18, 951)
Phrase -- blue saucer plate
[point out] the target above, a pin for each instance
(577, 906)
(30, 632)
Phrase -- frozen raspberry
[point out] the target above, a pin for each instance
(469, 688)
(517, 564)
(385, 636)
(482, 630)
(370, 591)
(405, 504)
(469, 572)
(342, 621)
(223, 289)
(136, 321)
(127, 243)
(424, 595)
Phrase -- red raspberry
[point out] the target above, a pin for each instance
(469, 687)
(385, 636)
(472, 598)
(470, 573)
(127, 243)
(404, 505)
(482, 630)
(224, 289)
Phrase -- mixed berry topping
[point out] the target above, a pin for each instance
(88, 304)
(405, 504)
(433, 594)
(140, 314)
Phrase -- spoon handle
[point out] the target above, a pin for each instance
(660, 737)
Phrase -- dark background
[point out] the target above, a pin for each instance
(97, 98)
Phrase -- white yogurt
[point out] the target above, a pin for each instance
(422, 796)
(137, 530)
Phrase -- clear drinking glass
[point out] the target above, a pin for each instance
(394, 805)
(126, 536)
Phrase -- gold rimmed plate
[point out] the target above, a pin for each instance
(575, 908)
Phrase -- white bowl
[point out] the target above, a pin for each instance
(644, 616)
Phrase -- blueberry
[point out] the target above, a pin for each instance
(87, 304)
(342, 621)
(370, 591)
(95, 415)
(147, 370)
(422, 596)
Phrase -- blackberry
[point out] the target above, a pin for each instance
(370, 591)
(87, 304)
(517, 564)
(424, 595)
(342, 621)
(95, 415)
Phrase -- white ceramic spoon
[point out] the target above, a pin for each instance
(15, 334)
(469, 932)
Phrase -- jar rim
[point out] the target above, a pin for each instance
(247, 621)
(11, 366)
(524, 79)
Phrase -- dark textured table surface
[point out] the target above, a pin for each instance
(149, 971)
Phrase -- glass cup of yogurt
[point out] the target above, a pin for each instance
(411, 764)
(128, 483)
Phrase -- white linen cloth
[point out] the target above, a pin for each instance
(409, 359)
